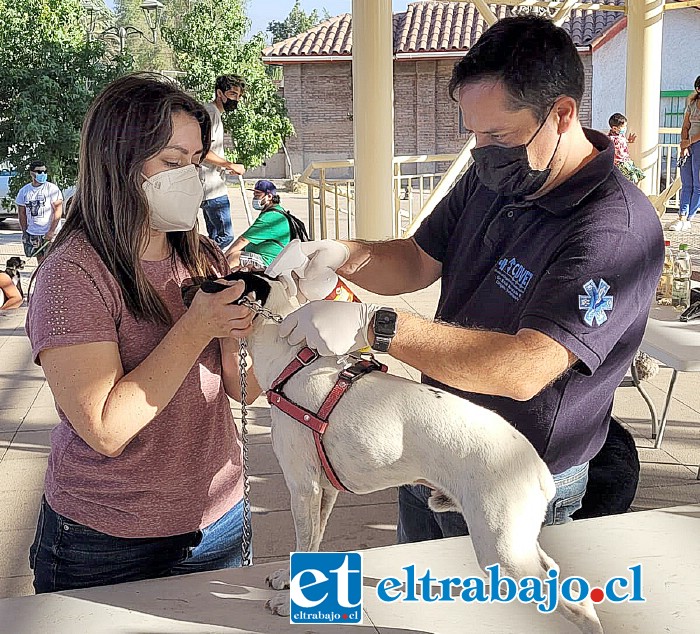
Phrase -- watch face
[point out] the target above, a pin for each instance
(385, 323)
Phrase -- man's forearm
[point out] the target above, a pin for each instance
(22, 217)
(57, 213)
(215, 159)
(387, 268)
(516, 366)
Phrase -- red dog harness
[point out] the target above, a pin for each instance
(318, 422)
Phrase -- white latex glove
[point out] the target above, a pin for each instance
(331, 328)
(313, 264)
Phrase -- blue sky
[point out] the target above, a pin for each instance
(262, 12)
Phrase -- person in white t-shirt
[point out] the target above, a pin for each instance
(216, 205)
(39, 207)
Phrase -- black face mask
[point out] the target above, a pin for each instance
(507, 170)
(230, 105)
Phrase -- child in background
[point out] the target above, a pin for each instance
(618, 135)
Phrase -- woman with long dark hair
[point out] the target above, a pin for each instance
(689, 163)
(144, 474)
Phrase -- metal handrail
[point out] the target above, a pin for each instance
(664, 175)
(342, 191)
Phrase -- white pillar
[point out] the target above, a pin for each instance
(644, 44)
(373, 117)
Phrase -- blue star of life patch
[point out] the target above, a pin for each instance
(595, 302)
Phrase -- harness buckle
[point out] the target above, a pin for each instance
(362, 367)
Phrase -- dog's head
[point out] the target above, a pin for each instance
(266, 290)
(15, 263)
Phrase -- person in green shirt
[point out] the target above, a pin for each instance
(267, 236)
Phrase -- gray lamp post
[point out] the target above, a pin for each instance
(152, 11)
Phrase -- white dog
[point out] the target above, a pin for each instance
(477, 463)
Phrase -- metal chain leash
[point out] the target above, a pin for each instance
(247, 527)
(243, 372)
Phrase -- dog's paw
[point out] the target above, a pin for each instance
(279, 604)
(279, 580)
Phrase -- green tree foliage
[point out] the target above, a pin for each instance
(146, 54)
(208, 42)
(50, 74)
(298, 21)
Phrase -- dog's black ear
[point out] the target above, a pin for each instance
(257, 283)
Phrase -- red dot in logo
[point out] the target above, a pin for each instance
(345, 616)
(597, 595)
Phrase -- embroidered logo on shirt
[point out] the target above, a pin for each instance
(595, 302)
(512, 277)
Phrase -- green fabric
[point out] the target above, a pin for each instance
(270, 228)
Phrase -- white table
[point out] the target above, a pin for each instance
(675, 344)
(664, 541)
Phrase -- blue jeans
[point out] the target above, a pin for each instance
(418, 523)
(66, 555)
(217, 216)
(690, 178)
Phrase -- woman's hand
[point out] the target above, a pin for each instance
(216, 315)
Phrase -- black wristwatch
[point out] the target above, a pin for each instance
(384, 328)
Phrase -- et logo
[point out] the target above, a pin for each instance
(325, 588)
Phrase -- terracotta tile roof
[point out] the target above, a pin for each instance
(431, 27)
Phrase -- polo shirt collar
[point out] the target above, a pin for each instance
(562, 200)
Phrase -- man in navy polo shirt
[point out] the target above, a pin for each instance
(548, 259)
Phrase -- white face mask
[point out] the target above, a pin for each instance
(174, 198)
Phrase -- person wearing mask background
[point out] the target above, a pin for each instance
(216, 205)
(39, 208)
(144, 476)
(267, 236)
(689, 163)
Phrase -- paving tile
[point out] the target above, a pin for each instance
(258, 422)
(14, 397)
(685, 451)
(44, 398)
(656, 474)
(28, 445)
(651, 455)
(662, 497)
(16, 586)
(20, 378)
(5, 439)
(685, 390)
(11, 418)
(349, 528)
(20, 509)
(22, 475)
(14, 546)
(40, 418)
(682, 421)
(257, 434)
(259, 561)
(270, 493)
(262, 460)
